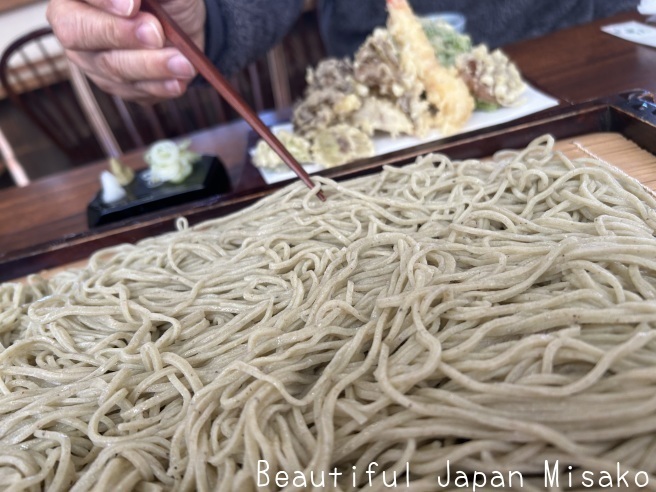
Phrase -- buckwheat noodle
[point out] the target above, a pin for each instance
(487, 315)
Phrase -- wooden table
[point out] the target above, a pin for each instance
(573, 65)
(584, 63)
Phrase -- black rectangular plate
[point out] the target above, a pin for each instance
(208, 178)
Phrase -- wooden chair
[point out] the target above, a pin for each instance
(88, 124)
(35, 77)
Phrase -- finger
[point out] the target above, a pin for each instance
(122, 66)
(85, 28)
(163, 89)
(124, 8)
(144, 91)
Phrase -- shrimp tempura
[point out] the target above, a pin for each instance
(444, 89)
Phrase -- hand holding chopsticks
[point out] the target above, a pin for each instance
(206, 68)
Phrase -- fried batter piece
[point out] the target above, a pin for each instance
(444, 89)
(492, 78)
(331, 97)
(266, 158)
(340, 144)
(382, 115)
(333, 73)
(377, 65)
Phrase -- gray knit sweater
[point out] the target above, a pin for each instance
(239, 31)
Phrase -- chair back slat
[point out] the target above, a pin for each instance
(216, 105)
(279, 79)
(94, 113)
(128, 121)
(154, 123)
(197, 108)
(256, 87)
(57, 63)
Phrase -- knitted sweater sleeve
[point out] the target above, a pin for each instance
(239, 31)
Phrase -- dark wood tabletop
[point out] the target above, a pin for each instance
(584, 63)
(573, 65)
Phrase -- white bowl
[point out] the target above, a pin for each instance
(457, 20)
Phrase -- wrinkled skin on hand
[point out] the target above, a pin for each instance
(123, 50)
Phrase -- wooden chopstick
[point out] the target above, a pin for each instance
(206, 68)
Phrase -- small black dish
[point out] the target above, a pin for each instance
(208, 178)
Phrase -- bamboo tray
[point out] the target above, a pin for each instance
(622, 128)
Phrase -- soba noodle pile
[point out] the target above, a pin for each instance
(485, 315)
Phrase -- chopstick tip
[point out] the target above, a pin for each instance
(321, 196)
